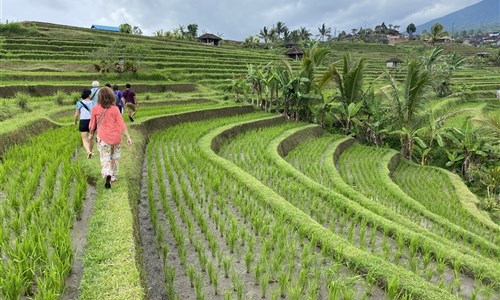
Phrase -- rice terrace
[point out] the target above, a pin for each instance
(348, 170)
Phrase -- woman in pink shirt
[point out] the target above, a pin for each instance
(109, 122)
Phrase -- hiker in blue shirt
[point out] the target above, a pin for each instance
(95, 92)
(83, 109)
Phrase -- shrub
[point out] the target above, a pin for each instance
(5, 113)
(22, 100)
(59, 98)
(489, 204)
(74, 97)
(17, 28)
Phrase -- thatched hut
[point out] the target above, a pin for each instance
(393, 62)
(210, 39)
(295, 53)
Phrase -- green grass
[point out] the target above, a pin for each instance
(111, 270)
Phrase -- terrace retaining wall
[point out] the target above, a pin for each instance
(47, 90)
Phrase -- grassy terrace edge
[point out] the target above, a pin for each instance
(363, 261)
(472, 265)
(467, 198)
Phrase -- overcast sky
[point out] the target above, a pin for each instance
(234, 19)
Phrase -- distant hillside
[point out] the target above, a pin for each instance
(482, 15)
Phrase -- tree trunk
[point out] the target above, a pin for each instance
(407, 149)
(285, 111)
(466, 164)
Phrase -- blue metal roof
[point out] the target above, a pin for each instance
(108, 28)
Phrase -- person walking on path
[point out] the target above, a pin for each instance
(83, 112)
(130, 102)
(119, 100)
(110, 125)
(95, 92)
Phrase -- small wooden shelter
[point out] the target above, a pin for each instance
(210, 39)
(393, 62)
(290, 44)
(295, 53)
(483, 54)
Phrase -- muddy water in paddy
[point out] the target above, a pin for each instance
(78, 242)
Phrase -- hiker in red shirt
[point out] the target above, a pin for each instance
(106, 117)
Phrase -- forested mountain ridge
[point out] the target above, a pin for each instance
(484, 15)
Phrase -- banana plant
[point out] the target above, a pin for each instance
(346, 114)
(436, 132)
(454, 159)
(238, 86)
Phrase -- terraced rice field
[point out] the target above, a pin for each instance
(217, 200)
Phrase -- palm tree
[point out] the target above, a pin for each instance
(452, 63)
(294, 36)
(280, 28)
(273, 35)
(489, 127)
(437, 32)
(324, 31)
(431, 58)
(406, 104)
(349, 82)
(251, 42)
(264, 34)
(286, 35)
(159, 33)
(302, 88)
(182, 29)
(305, 34)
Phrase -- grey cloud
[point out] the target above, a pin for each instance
(236, 19)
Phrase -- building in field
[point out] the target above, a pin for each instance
(295, 53)
(209, 39)
(483, 54)
(393, 62)
(106, 28)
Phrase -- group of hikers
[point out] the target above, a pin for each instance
(99, 113)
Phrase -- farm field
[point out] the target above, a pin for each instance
(218, 199)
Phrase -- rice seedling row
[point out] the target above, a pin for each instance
(421, 183)
(265, 243)
(337, 182)
(44, 192)
(360, 167)
(311, 158)
(401, 285)
(405, 251)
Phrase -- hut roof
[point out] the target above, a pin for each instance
(394, 59)
(107, 28)
(294, 50)
(209, 36)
